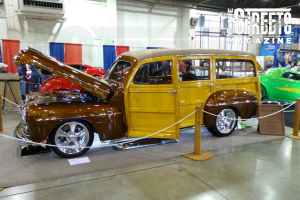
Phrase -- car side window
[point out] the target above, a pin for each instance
(154, 73)
(76, 66)
(83, 67)
(290, 75)
(194, 69)
(234, 68)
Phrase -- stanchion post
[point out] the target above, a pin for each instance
(198, 117)
(1, 119)
(296, 121)
(198, 155)
(296, 118)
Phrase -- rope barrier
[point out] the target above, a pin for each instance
(164, 128)
(9, 101)
(254, 117)
(50, 145)
(133, 140)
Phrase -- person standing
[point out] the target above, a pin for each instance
(3, 68)
(35, 79)
(22, 71)
(288, 65)
(45, 74)
(182, 67)
(166, 67)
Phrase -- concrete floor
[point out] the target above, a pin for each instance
(266, 170)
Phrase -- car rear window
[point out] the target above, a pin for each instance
(234, 68)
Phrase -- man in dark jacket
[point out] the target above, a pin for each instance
(22, 71)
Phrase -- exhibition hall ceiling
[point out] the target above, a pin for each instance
(223, 5)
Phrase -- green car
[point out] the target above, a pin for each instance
(280, 84)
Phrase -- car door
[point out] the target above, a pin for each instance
(151, 99)
(285, 88)
(195, 85)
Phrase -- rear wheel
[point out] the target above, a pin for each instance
(225, 123)
(71, 138)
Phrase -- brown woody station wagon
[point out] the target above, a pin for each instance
(142, 92)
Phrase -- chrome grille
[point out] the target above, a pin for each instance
(24, 126)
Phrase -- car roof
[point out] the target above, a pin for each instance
(282, 70)
(153, 53)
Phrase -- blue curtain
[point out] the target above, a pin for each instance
(109, 55)
(152, 47)
(57, 50)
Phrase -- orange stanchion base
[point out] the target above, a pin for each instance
(293, 137)
(204, 155)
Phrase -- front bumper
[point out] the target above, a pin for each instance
(27, 147)
(20, 135)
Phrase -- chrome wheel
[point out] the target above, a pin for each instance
(226, 120)
(225, 123)
(71, 138)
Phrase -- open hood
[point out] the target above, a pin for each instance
(93, 85)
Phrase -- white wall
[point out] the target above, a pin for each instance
(3, 25)
(143, 25)
(87, 22)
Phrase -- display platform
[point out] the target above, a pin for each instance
(16, 170)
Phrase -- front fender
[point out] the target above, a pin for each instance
(58, 84)
(244, 102)
(105, 119)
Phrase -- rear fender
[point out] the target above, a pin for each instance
(244, 102)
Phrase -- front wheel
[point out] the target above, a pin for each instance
(225, 123)
(71, 138)
(263, 93)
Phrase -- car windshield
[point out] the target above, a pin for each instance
(118, 71)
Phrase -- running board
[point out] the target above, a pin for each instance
(127, 144)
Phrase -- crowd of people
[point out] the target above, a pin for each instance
(289, 65)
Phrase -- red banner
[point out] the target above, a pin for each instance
(10, 49)
(121, 49)
(73, 53)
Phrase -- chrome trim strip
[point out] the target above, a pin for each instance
(75, 117)
(233, 103)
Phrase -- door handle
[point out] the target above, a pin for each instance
(211, 84)
(175, 91)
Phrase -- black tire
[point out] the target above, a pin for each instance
(219, 127)
(263, 92)
(61, 136)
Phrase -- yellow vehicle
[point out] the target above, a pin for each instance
(142, 92)
(224, 83)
